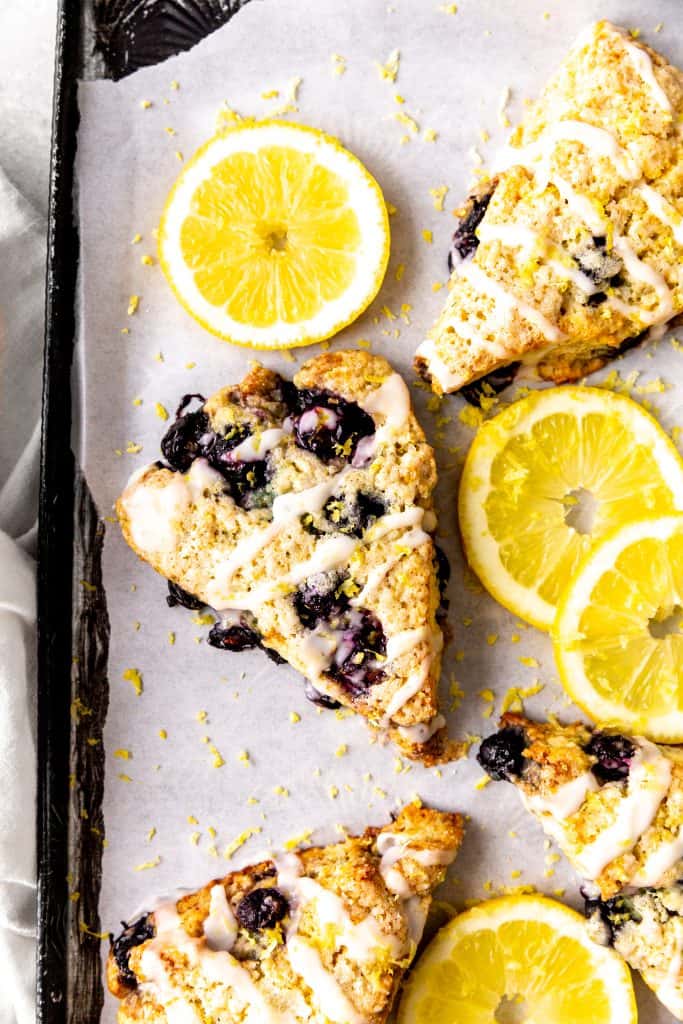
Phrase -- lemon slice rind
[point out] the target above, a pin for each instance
(663, 728)
(417, 1007)
(365, 198)
(481, 547)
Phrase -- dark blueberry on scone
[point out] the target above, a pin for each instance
(132, 935)
(329, 425)
(300, 512)
(261, 908)
(502, 755)
(320, 598)
(578, 247)
(236, 636)
(327, 939)
(613, 754)
(178, 596)
(322, 700)
(357, 660)
(490, 384)
(465, 241)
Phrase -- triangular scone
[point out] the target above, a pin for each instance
(573, 249)
(323, 936)
(302, 512)
(614, 804)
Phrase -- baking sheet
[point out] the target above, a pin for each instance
(171, 813)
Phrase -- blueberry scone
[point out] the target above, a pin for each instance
(572, 251)
(322, 937)
(614, 804)
(302, 513)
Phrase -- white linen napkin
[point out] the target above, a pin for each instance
(22, 269)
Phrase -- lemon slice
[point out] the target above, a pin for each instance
(549, 476)
(618, 634)
(274, 235)
(518, 959)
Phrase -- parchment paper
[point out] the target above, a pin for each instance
(454, 70)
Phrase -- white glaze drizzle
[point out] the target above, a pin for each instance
(643, 64)
(563, 801)
(392, 847)
(509, 302)
(406, 641)
(215, 965)
(220, 926)
(445, 377)
(520, 235)
(154, 513)
(414, 683)
(641, 271)
(258, 444)
(598, 140)
(327, 993)
(659, 861)
(663, 210)
(422, 731)
(648, 783)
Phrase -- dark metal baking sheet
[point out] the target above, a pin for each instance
(95, 38)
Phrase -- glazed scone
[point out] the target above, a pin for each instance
(302, 513)
(646, 928)
(323, 936)
(573, 249)
(614, 805)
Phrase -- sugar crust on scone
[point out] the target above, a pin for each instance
(580, 246)
(253, 561)
(327, 937)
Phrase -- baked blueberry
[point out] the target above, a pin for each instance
(612, 913)
(491, 384)
(184, 440)
(613, 753)
(354, 518)
(361, 646)
(465, 241)
(236, 637)
(603, 267)
(502, 754)
(261, 908)
(328, 425)
(322, 700)
(132, 935)
(178, 596)
(320, 598)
